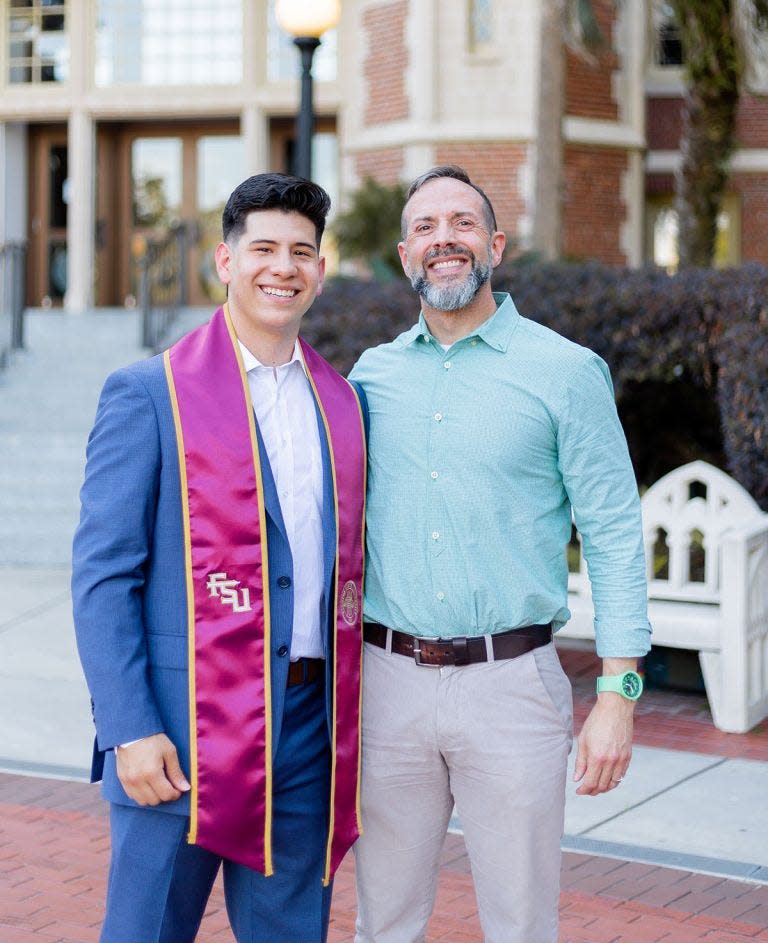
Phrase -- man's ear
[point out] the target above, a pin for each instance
(321, 273)
(402, 251)
(498, 242)
(223, 257)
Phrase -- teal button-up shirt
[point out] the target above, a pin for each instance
(477, 455)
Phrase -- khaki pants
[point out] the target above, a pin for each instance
(492, 738)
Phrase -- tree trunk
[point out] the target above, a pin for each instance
(714, 72)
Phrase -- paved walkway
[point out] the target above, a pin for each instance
(54, 850)
(678, 853)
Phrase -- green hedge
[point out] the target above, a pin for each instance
(688, 353)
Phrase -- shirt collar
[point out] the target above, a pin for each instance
(250, 362)
(497, 331)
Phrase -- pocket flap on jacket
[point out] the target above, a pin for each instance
(167, 651)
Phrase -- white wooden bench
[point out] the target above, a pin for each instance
(706, 543)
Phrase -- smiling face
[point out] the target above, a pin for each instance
(273, 272)
(448, 252)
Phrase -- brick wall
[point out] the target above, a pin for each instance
(588, 85)
(386, 62)
(753, 189)
(593, 208)
(663, 129)
(385, 165)
(752, 121)
(664, 121)
(495, 167)
(659, 184)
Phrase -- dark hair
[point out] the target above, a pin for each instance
(454, 173)
(275, 192)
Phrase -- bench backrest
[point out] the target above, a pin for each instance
(685, 516)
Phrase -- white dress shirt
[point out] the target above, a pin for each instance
(285, 411)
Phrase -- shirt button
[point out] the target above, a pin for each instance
(438, 417)
(447, 364)
(282, 651)
(473, 343)
(434, 475)
(435, 535)
(440, 596)
(426, 338)
(283, 582)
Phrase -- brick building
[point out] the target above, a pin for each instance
(579, 156)
(119, 116)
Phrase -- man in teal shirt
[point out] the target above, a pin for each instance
(487, 433)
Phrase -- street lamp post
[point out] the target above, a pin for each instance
(306, 22)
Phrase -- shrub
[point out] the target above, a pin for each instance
(369, 229)
(688, 353)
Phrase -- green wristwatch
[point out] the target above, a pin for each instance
(628, 685)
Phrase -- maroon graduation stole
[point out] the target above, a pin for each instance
(227, 592)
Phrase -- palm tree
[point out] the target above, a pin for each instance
(716, 37)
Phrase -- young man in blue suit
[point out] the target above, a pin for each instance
(217, 580)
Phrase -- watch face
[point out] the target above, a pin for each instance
(631, 685)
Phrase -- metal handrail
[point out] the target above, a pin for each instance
(162, 290)
(13, 256)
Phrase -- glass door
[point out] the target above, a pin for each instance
(48, 205)
(220, 167)
(156, 195)
(182, 174)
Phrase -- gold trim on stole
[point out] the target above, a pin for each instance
(268, 867)
(192, 834)
(331, 817)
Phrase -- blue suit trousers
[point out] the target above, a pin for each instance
(159, 885)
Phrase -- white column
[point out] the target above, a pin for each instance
(81, 212)
(81, 160)
(421, 38)
(254, 130)
(254, 125)
(632, 235)
(546, 156)
(633, 36)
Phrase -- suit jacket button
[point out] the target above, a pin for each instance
(282, 651)
(283, 582)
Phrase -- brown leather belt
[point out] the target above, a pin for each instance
(305, 670)
(465, 650)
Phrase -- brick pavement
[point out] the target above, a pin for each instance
(674, 721)
(54, 849)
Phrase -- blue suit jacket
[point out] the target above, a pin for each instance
(128, 581)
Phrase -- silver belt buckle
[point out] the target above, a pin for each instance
(417, 651)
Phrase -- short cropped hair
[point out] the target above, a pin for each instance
(454, 173)
(275, 192)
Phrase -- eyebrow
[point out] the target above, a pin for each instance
(274, 242)
(429, 219)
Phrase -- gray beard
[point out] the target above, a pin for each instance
(451, 297)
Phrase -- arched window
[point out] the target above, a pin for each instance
(480, 33)
(669, 46)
